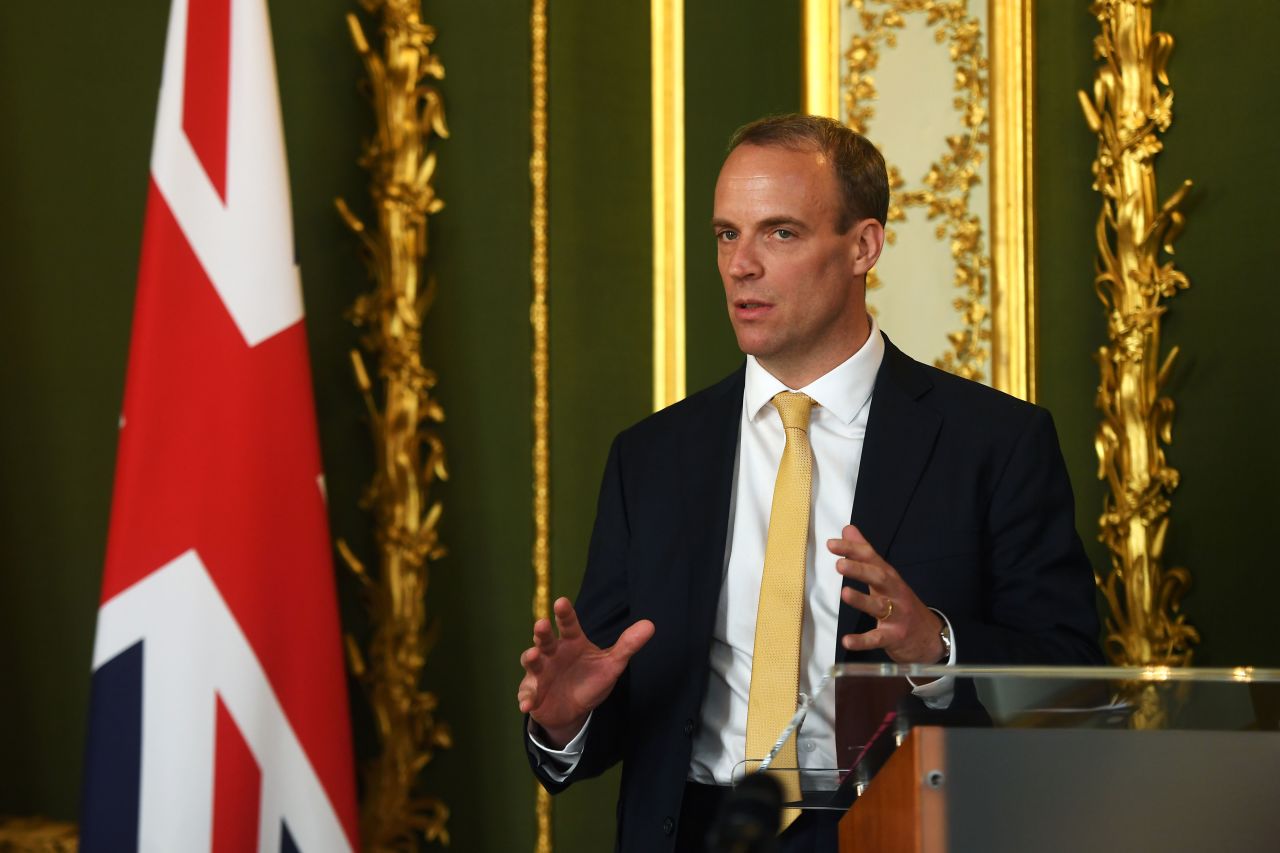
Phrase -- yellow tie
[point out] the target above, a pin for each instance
(775, 661)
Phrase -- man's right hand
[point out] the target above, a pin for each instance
(565, 678)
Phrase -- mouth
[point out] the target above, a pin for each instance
(749, 309)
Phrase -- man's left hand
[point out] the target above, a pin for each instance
(906, 629)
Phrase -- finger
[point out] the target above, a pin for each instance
(873, 639)
(853, 534)
(632, 640)
(532, 660)
(874, 606)
(543, 637)
(845, 548)
(872, 574)
(566, 619)
(852, 544)
(527, 694)
(853, 550)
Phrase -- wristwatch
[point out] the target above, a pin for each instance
(945, 636)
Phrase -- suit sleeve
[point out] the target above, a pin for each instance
(604, 611)
(1039, 604)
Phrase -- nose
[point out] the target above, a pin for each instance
(744, 262)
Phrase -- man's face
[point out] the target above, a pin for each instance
(792, 283)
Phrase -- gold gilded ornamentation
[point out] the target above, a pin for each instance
(1013, 279)
(37, 835)
(1130, 105)
(945, 195)
(541, 364)
(409, 455)
(821, 57)
(1012, 227)
(666, 40)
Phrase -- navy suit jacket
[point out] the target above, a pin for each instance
(962, 489)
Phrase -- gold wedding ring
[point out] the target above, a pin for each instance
(888, 609)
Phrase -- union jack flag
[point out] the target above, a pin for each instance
(218, 716)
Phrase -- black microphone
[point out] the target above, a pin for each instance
(749, 818)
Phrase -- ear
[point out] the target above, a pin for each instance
(868, 240)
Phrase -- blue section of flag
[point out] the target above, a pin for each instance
(287, 844)
(113, 758)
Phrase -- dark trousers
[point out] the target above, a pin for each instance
(812, 832)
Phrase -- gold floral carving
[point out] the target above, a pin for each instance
(409, 455)
(1131, 104)
(945, 194)
(541, 363)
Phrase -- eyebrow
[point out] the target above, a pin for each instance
(771, 222)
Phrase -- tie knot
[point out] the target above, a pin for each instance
(794, 408)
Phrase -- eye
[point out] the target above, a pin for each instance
(726, 235)
(784, 234)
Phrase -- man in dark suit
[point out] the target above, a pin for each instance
(937, 520)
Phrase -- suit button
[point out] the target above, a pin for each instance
(668, 826)
(688, 728)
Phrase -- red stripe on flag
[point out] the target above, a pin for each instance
(237, 789)
(207, 77)
(219, 456)
(220, 453)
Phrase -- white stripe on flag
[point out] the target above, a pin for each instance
(194, 650)
(246, 247)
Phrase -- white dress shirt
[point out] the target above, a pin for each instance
(837, 426)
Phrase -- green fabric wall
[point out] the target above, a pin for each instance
(78, 103)
(737, 68)
(599, 292)
(1226, 117)
(73, 166)
(1223, 138)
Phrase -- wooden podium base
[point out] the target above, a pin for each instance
(904, 809)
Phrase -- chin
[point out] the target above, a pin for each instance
(749, 345)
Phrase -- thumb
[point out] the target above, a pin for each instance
(632, 640)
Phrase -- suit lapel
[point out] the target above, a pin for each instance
(706, 481)
(899, 441)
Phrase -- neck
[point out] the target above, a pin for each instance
(814, 365)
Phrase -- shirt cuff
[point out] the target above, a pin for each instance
(559, 763)
(937, 694)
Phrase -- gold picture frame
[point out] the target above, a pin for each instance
(1000, 312)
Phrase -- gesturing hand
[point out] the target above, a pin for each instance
(906, 629)
(565, 678)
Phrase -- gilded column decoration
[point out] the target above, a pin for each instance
(403, 414)
(821, 22)
(541, 364)
(666, 45)
(1013, 273)
(945, 194)
(1131, 104)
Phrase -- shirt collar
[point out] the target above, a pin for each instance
(842, 391)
